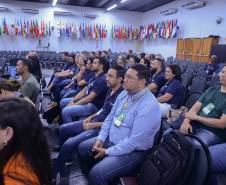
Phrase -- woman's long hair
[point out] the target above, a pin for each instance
(28, 138)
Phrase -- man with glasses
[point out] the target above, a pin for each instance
(126, 134)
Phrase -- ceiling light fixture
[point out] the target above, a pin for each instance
(54, 2)
(112, 7)
(123, 1)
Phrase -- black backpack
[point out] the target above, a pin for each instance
(172, 162)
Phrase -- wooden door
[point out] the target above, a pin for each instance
(196, 49)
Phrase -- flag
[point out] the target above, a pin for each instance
(5, 27)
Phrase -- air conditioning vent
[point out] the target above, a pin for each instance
(195, 4)
(169, 11)
(31, 11)
(3, 8)
(90, 16)
(63, 13)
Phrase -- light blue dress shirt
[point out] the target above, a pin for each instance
(141, 122)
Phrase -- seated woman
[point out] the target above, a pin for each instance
(172, 93)
(218, 153)
(24, 151)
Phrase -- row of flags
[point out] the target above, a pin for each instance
(39, 29)
(82, 30)
(26, 28)
(166, 30)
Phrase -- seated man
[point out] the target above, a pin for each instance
(207, 118)
(79, 81)
(90, 98)
(30, 86)
(127, 133)
(71, 134)
(158, 76)
(36, 66)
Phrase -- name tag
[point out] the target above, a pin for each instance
(118, 121)
(207, 109)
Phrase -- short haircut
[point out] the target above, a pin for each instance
(28, 63)
(142, 72)
(119, 70)
(176, 70)
(103, 61)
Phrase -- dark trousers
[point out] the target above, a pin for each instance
(109, 167)
(71, 135)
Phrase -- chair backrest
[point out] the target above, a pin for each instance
(198, 85)
(202, 164)
(192, 99)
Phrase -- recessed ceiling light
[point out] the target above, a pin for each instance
(112, 7)
(54, 2)
(123, 1)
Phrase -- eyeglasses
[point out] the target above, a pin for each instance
(128, 77)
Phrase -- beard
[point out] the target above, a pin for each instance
(153, 70)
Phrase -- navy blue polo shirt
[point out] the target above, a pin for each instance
(67, 66)
(175, 88)
(88, 75)
(159, 80)
(98, 85)
(108, 104)
(74, 69)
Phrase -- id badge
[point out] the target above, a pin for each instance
(118, 121)
(207, 109)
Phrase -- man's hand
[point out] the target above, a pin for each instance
(87, 120)
(97, 144)
(87, 125)
(100, 153)
(72, 103)
(186, 127)
(191, 115)
(67, 86)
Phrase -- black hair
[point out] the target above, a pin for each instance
(65, 53)
(147, 62)
(161, 62)
(142, 55)
(135, 58)
(103, 61)
(28, 63)
(176, 70)
(152, 56)
(142, 72)
(120, 71)
(28, 139)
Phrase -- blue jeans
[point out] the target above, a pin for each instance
(218, 153)
(68, 113)
(71, 135)
(109, 167)
(64, 102)
(68, 93)
(208, 137)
